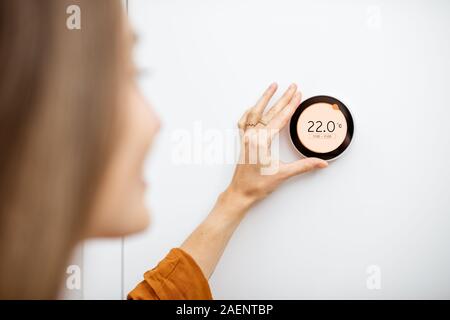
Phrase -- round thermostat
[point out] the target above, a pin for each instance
(321, 127)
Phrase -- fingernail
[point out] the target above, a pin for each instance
(292, 86)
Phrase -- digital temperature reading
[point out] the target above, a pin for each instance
(321, 127)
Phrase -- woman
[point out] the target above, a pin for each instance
(74, 132)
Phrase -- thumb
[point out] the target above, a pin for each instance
(303, 166)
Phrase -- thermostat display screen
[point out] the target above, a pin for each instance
(321, 127)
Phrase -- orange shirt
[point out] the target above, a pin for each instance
(176, 277)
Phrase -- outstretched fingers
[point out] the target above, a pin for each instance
(257, 111)
(280, 104)
(282, 118)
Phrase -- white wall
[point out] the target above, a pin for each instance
(386, 202)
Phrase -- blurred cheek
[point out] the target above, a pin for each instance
(120, 208)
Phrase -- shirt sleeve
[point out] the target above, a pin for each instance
(176, 277)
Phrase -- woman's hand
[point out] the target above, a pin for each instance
(257, 174)
(259, 171)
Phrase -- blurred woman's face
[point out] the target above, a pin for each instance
(120, 208)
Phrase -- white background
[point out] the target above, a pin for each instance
(385, 202)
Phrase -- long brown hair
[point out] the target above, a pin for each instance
(58, 95)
